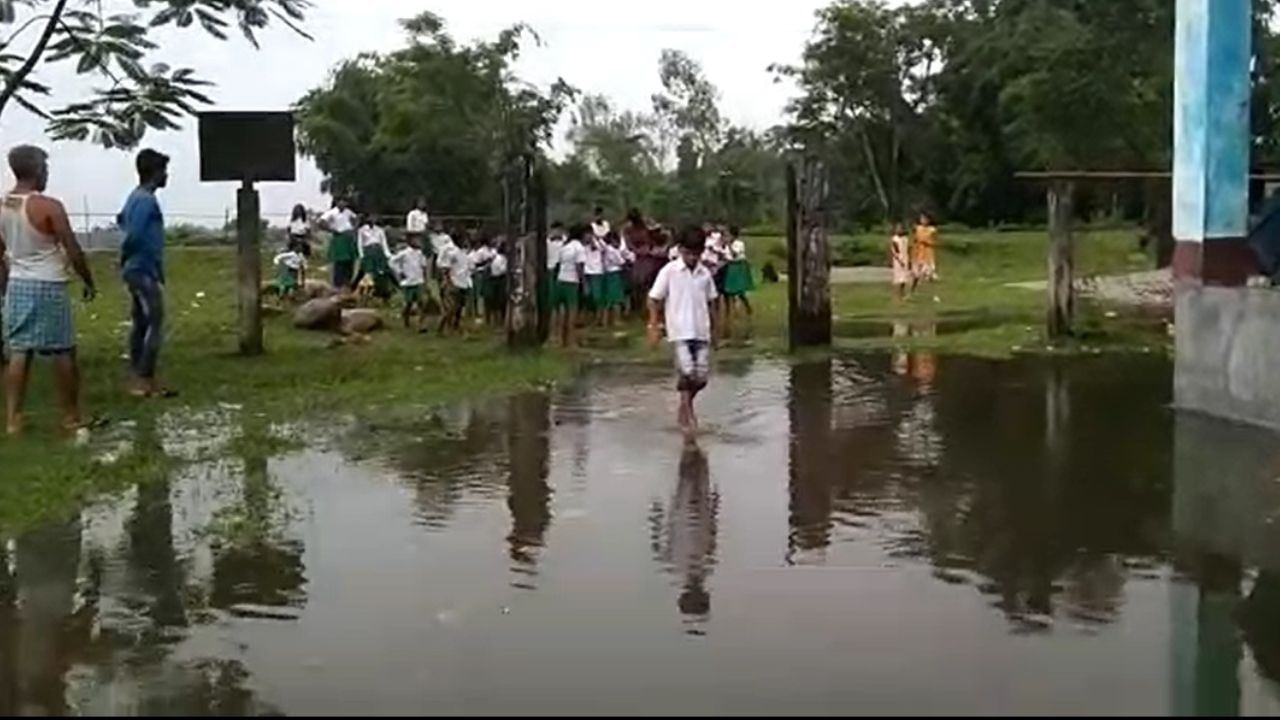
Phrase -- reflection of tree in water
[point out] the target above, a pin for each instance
(254, 560)
(444, 466)
(687, 540)
(528, 495)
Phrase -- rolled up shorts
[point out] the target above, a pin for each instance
(693, 364)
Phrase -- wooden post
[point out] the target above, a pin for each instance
(248, 230)
(1061, 310)
(808, 256)
(542, 277)
(522, 277)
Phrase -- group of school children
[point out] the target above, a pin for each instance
(595, 274)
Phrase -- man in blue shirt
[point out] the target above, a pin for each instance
(142, 266)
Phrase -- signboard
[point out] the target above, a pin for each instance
(254, 146)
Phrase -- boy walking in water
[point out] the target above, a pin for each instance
(685, 294)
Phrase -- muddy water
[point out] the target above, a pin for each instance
(888, 534)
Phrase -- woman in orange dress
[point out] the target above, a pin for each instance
(924, 251)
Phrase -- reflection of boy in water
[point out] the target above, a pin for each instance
(690, 543)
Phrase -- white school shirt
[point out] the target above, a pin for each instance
(685, 294)
(481, 255)
(373, 235)
(290, 259)
(458, 263)
(498, 266)
(614, 259)
(738, 250)
(416, 221)
(572, 254)
(553, 252)
(299, 228)
(439, 243)
(410, 265)
(593, 260)
(600, 228)
(339, 221)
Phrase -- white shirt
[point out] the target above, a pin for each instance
(686, 294)
(411, 266)
(498, 266)
(373, 235)
(339, 220)
(457, 262)
(614, 259)
(416, 221)
(31, 254)
(291, 259)
(439, 243)
(593, 260)
(299, 228)
(600, 228)
(553, 252)
(481, 256)
(572, 254)
(738, 250)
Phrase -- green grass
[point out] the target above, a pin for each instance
(302, 377)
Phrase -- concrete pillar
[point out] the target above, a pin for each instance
(1211, 135)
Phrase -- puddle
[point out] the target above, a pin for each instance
(887, 533)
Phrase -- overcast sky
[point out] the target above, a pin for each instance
(604, 47)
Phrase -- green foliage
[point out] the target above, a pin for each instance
(436, 118)
(141, 96)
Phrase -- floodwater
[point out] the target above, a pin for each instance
(870, 534)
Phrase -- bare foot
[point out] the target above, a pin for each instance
(13, 428)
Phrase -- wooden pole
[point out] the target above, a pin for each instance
(248, 230)
(809, 256)
(541, 274)
(522, 278)
(793, 252)
(1061, 310)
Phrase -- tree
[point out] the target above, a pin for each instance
(434, 118)
(116, 48)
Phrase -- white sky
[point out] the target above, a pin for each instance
(605, 47)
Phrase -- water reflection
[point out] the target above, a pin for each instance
(528, 494)
(686, 544)
(1009, 536)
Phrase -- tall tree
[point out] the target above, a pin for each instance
(116, 48)
(435, 118)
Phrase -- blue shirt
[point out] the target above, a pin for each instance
(143, 225)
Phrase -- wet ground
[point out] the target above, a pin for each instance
(891, 533)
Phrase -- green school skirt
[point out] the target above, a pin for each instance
(566, 295)
(595, 290)
(412, 294)
(737, 279)
(342, 247)
(614, 292)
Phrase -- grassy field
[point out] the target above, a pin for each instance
(302, 376)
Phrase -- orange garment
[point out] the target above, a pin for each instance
(924, 245)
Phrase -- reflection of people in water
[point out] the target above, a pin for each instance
(689, 543)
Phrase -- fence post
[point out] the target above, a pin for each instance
(1061, 309)
(808, 256)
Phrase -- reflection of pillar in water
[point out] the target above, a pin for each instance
(528, 496)
(48, 561)
(810, 409)
(1206, 647)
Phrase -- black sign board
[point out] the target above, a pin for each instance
(247, 146)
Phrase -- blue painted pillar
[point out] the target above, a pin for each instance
(1211, 138)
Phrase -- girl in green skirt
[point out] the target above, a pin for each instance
(738, 281)
(374, 257)
(615, 296)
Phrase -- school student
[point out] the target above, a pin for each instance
(495, 299)
(684, 295)
(341, 221)
(569, 285)
(455, 263)
(300, 231)
(738, 279)
(555, 241)
(616, 258)
(410, 265)
(374, 254)
(593, 277)
(291, 269)
(899, 258)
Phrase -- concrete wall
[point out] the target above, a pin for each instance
(1228, 353)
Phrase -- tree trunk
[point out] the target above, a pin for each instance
(1062, 303)
(248, 229)
(809, 256)
(522, 252)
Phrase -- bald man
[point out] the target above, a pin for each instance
(38, 245)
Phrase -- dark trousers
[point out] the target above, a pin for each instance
(343, 273)
(147, 299)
